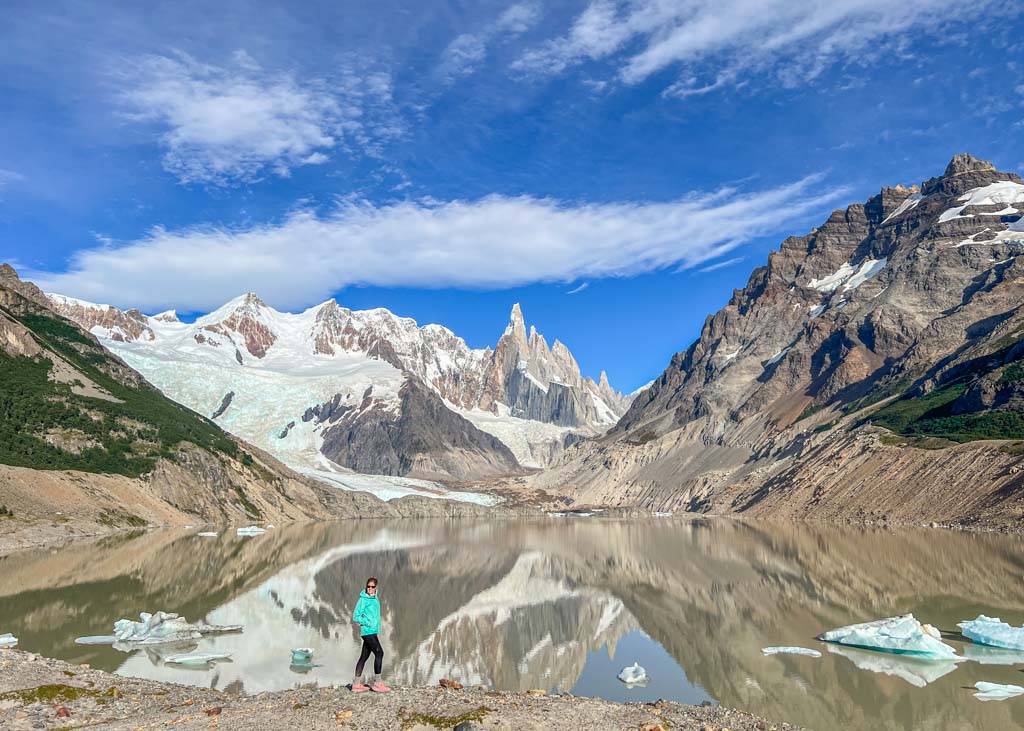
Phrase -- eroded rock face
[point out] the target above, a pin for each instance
(417, 437)
(887, 296)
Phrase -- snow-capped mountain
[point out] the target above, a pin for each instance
(332, 389)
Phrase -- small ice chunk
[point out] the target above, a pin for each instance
(153, 629)
(302, 654)
(251, 530)
(994, 632)
(996, 691)
(196, 658)
(791, 651)
(208, 534)
(96, 640)
(633, 675)
(8, 640)
(902, 635)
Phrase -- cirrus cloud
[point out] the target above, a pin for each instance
(490, 243)
(714, 42)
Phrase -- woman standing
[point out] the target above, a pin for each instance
(367, 614)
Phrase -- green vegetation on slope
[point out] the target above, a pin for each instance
(122, 438)
(931, 414)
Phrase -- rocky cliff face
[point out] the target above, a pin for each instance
(904, 311)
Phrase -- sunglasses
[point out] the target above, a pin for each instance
(371, 586)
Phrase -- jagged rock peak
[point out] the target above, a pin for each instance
(965, 162)
(964, 173)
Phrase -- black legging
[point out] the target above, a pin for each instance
(370, 644)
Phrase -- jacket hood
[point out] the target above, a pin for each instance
(364, 595)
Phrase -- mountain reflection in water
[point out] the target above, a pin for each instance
(555, 604)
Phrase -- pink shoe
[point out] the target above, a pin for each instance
(380, 688)
(359, 688)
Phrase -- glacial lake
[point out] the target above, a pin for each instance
(561, 604)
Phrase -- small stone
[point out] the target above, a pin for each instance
(214, 711)
(63, 712)
(85, 666)
(468, 726)
(20, 715)
(342, 715)
(536, 691)
(450, 684)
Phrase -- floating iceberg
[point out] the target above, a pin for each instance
(96, 640)
(164, 627)
(207, 534)
(996, 691)
(196, 658)
(917, 671)
(8, 640)
(302, 654)
(251, 530)
(993, 632)
(790, 651)
(633, 675)
(902, 635)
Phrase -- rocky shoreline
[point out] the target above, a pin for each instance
(43, 693)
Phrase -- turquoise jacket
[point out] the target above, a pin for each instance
(367, 614)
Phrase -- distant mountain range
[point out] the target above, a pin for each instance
(332, 390)
(873, 369)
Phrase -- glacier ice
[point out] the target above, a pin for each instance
(633, 675)
(996, 691)
(8, 640)
(251, 530)
(902, 635)
(917, 671)
(302, 654)
(207, 534)
(993, 632)
(790, 651)
(96, 640)
(196, 658)
(164, 627)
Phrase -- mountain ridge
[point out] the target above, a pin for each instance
(884, 301)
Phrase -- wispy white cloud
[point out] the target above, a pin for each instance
(715, 43)
(9, 176)
(492, 242)
(467, 52)
(236, 123)
(578, 289)
(721, 264)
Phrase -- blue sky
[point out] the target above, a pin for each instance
(446, 159)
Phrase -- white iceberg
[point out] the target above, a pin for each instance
(207, 534)
(250, 530)
(196, 658)
(8, 640)
(915, 670)
(902, 635)
(791, 651)
(165, 627)
(633, 675)
(996, 691)
(993, 632)
(96, 640)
